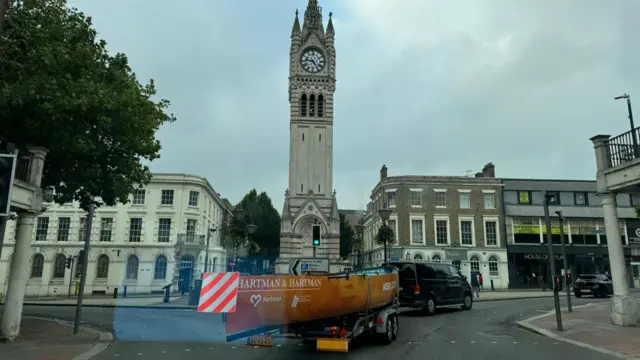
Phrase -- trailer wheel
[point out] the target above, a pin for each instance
(391, 331)
(396, 324)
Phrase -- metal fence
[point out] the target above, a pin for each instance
(624, 147)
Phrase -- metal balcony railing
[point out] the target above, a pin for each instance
(23, 169)
(624, 147)
(192, 239)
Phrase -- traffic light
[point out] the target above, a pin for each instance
(67, 263)
(316, 235)
(557, 284)
(7, 171)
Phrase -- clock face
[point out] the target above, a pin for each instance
(312, 60)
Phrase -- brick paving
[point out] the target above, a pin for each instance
(47, 340)
(592, 325)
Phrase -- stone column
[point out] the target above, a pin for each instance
(37, 164)
(10, 325)
(624, 309)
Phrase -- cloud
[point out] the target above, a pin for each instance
(425, 87)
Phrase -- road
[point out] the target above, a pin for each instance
(486, 332)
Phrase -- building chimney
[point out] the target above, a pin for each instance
(489, 170)
(383, 172)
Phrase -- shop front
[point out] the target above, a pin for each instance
(529, 264)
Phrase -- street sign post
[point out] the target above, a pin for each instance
(303, 265)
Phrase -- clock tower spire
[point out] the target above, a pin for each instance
(310, 200)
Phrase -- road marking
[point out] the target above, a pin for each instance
(543, 311)
(278, 345)
(535, 342)
(187, 349)
(494, 342)
(473, 341)
(139, 354)
(164, 351)
(116, 355)
(453, 342)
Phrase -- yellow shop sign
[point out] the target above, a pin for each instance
(535, 229)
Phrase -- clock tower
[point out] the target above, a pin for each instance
(310, 198)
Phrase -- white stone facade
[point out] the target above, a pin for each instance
(141, 245)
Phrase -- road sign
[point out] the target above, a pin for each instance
(299, 266)
(598, 232)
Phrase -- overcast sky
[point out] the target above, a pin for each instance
(426, 87)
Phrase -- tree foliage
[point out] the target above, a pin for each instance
(257, 209)
(347, 237)
(385, 235)
(62, 90)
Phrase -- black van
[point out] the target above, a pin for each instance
(427, 286)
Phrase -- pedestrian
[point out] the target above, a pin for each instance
(475, 284)
(481, 281)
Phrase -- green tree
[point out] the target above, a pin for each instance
(257, 209)
(385, 236)
(347, 236)
(61, 89)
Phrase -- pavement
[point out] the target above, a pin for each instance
(181, 302)
(46, 339)
(487, 332)
(589, 326)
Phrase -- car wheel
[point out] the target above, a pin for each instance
(467, 302)
(430, 308)
(578, 294)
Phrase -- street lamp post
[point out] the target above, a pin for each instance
(634, 139)
(251, 229)
(564, 261)
(385, 212)
(360, 230)
(206, 253)
(550, 198)
(238, 214)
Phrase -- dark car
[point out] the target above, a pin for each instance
(598, 285)
(428, 286)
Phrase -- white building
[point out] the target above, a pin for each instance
(453, 219)
(158, 238)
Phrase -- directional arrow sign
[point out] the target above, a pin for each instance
(299, 266)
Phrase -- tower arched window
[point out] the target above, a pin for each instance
(312, 105)
(320, 106)
(303, 105)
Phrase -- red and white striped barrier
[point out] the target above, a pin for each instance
(219, 292)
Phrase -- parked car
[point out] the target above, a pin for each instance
(598, 285)
(427, 286)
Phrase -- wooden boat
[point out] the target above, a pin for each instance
(271, 301)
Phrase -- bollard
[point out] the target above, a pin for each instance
(492, 287)
(167, 293)
(115, 293)
(124, 292)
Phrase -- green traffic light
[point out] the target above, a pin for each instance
(316, 242)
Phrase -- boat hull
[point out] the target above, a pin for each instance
(270, 301)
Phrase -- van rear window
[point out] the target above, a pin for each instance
(405, 271)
